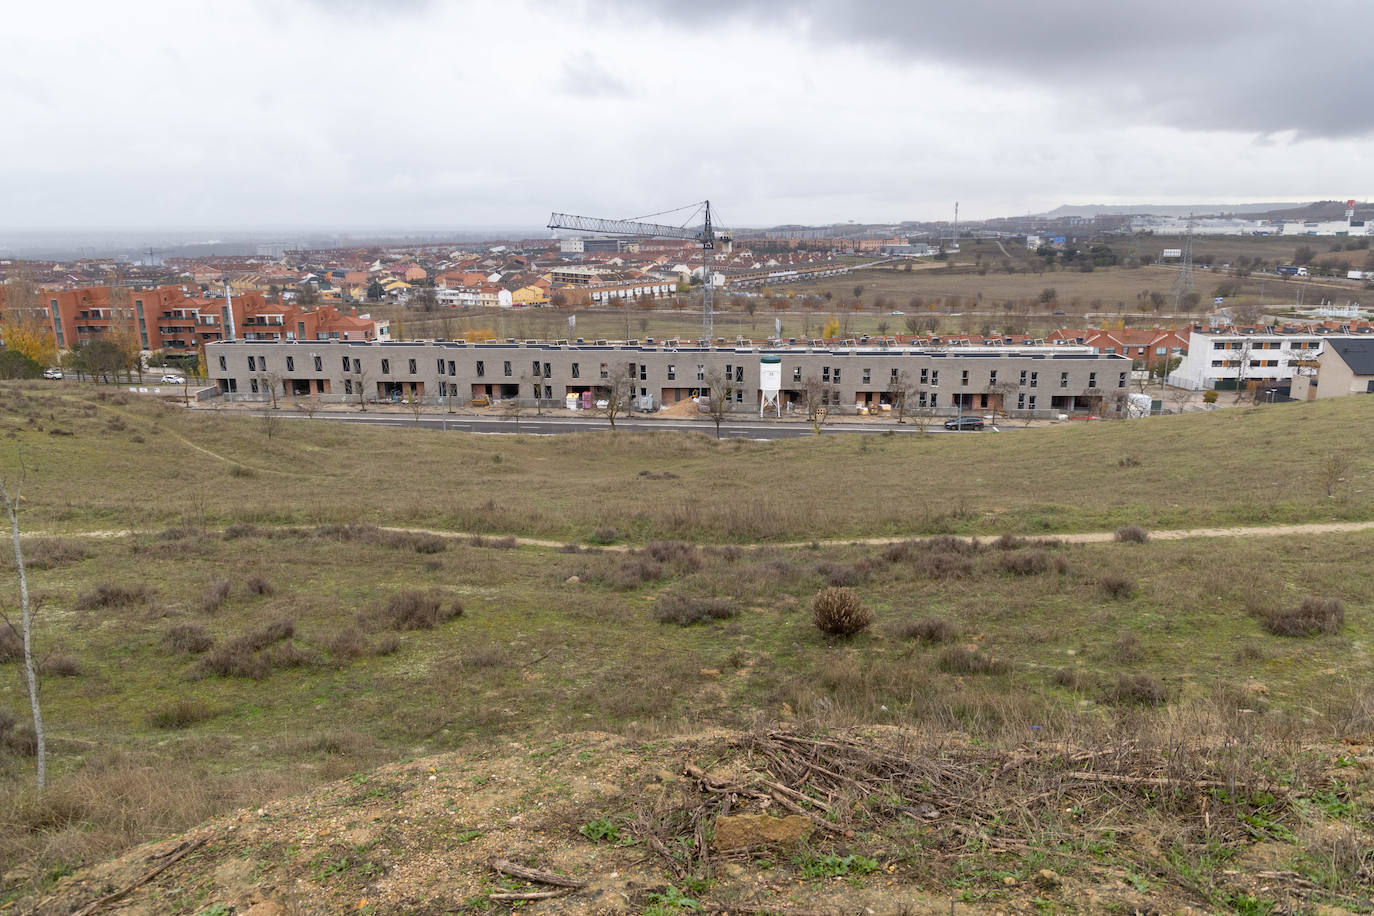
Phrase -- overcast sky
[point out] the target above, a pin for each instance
(425, 114)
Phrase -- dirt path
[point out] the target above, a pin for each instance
(1084, 537)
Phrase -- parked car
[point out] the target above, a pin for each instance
(962, 423)
(52, 373)
(170, 379)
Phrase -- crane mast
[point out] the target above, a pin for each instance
(706, 236)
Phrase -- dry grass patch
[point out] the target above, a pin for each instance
(412, 610)
(685, 610)
(928, 629)
(966, 660)
(216, 593)
(1117, 587)
(191, 638)
(1313, 617)
(106, 595)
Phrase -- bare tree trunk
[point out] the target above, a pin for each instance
(26, 625)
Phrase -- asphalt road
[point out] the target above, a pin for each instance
(548, 426)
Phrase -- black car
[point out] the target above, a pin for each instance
(964, 423)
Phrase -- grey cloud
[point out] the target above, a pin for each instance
(583, 76)
(1266, 66)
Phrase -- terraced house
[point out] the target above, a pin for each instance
(1022, 380)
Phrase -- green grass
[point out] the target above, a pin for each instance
(1233, 467)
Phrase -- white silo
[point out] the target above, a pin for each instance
(770, 383)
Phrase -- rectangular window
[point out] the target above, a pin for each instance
(701, 372)
(451, 368)
(739, 395)
(1121, 380)
(1035, 380)
(1021, 401)
(386, 367)
(604, 373)
(535, 370)
(1218, 363)
(934, 400)
(1218, 345)
(1063, 380)
(920, 399)
(837, 375)
(934, 379)
(825, 373)
(576, 371)
(252, 364)
(481, 368)
(262, 363)
(1092, 379)
(643, 371)
(796, 374)
(1023, 378)
(345, 363)
(548, 392)
(1032, 402)
(357, 365)
(253, 384)
(222, 366)
(925, 376)
(739, 375)
(319, 364)
(729, 371)
(412, 367)
(963, 377)
(291, 364)
(441, 368)
(868, 376)
(505, 369)
(672, 372)
(992, 378)
(894, 371)
(348, 386)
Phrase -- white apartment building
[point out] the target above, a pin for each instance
(1226, 358)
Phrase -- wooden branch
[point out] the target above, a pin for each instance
(798, 809)
(181, 852)
(1164, 782)
(534, 895)
(506, 867)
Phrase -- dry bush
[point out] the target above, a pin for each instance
(838, 575)
(944, 566)
(216, 593)
(418, 541)
(948, 543)
(1028, 563)
(243, 656)
(59, 665)
(509, 542)
(181, 713)
(1132, 534)
(240, 530)
(349, 643)
(335, 742)
(1137, 690)
(928, 629)
(1069, 678)
(1310, 618)
(412, 610)
(188, 637)
(1117, 587)
(480, 658)
(632, 573)
(1127, 649)
(1009, 542)
(106, 595)
(49, 553)
(604, 536)
(387, 645)
(839, 612)
(1249, 652)
(670, 551)
(963, 660)
(7, 724)
(685, 610)
(257, 585)
(11, 646)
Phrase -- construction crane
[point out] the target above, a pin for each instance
(705, 235)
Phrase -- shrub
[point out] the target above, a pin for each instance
(216, 593)
(635, 572)
(928, 629)
(1127, 649)
(963, 660)
(670, 551)
(482, 657)
(348, 643)
(238, 470)
(1118, 587)
(181, 713)
(838, 575)
(11, 646)
(243, 655)
(685, 610)
(60, 666)
(257, 585)
(411, 610)
(47, 553)
(189, 637)
(1311, 617)
(839, 612)
(387, 645)
(240, 530)
(106, 595)
(1138, 690)
(1009, 542)
(7, 724)
(605, 536)
(1069, 678)
(1028, 563)
(945, 566)
(1132, 534)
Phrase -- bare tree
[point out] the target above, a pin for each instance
(899, 391)
(513, 410)
(359, 380)
(416, 403)
(269, 420)
(25, 633)
(1004, 392)
(816, 395)
(618, 386)
(1332, 470)
(720, 390)
(268, 383)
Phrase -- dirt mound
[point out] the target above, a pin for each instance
(684, 408)
(594, 823)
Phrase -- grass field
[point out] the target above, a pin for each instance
(220, 659)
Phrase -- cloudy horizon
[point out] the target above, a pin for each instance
(363, 115)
